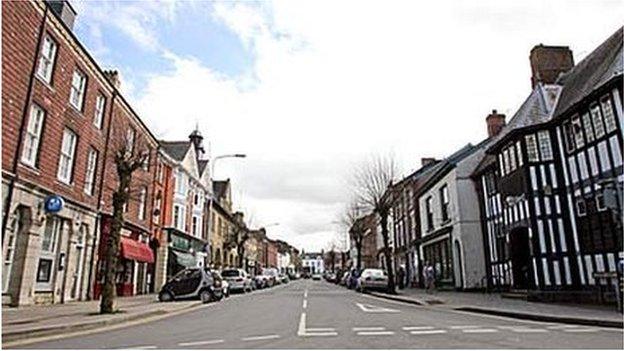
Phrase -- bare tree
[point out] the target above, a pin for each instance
(330, 256)
(128, 156)
(351, 220)
(239, 236)
(372, 186)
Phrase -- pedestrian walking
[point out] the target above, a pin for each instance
(401, 277)
(429, 275)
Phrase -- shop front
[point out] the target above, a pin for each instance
(184, 251)
(134, 263)
(437, 252)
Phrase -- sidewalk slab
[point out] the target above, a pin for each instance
(39, 321)
(495, 304)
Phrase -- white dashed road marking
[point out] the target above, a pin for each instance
(368, 328)
(427, 332)
(142, 347)
(204, 342)
(464, 326)
(319, 329)
(375, 333)
(305, 304)
(477, 331)
(417, 328)
(261, 337)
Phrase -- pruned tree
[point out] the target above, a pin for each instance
(330, 256)
(372, 187)
(129, 155)
(239, 236)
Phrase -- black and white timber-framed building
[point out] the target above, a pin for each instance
(551, 187)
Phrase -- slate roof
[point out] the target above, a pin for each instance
(176, 149)
(201, 164)
(596, 69)
(219, 187)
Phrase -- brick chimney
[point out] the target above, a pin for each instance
(426, 161)
(113, 78)
(64, 11)
(548, 62)
(495, 122)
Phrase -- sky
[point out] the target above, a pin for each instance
(308, 90)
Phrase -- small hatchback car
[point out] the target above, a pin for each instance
(199, 283)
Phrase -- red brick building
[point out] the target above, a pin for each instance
(57, 106)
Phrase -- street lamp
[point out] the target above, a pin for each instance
(224, 156)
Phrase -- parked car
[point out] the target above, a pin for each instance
(372, 279)
(284, 278)
(272, 276)
(260, 281)
(345, 277)
(224, 284)
(237, 279)
(199, 283)
(316, 276)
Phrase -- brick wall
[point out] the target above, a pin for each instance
(20, 24)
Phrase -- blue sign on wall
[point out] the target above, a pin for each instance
(53, 203)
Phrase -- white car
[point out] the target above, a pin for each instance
(372, 279)
(238, 279)
(316, 276)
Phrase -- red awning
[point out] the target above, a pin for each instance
(135, 250)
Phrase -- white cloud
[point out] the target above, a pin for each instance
(333, 81)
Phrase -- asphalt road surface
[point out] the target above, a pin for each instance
(310, 314)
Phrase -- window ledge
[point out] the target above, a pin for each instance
(30, 168)
(44, 83)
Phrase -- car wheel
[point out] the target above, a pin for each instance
(206, 296)
(165, 296)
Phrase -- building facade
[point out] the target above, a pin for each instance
(552, 188)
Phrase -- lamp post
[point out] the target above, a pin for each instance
(214, 161)
(212, 168)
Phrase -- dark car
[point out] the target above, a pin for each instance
(199, 283)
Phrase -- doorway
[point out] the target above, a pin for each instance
(520, 256)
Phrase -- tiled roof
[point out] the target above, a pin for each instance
(176, 149)
(597, 68)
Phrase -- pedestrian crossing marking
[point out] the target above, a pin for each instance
(416, 328)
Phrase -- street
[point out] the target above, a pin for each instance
(310, 314)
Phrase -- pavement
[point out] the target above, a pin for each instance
(37, 320)
(495, 304)
(307, 314)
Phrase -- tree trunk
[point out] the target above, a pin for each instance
(109, 291)
(358, 247)
(387, 252)
(241, 255)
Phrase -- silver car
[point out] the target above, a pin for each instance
(238, 279)
(372, 279)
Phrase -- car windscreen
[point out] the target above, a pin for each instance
(230, 273)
